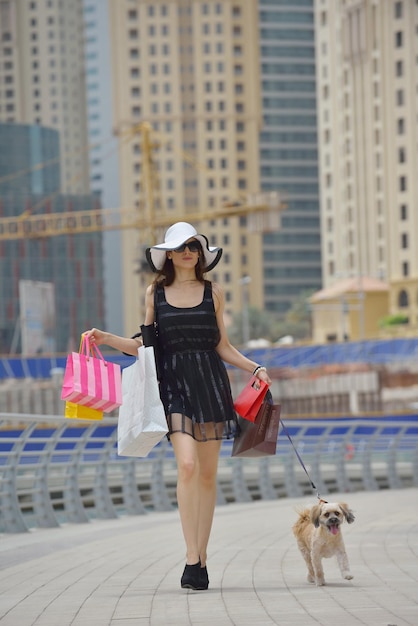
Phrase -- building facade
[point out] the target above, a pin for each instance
(190, 69)
(42, 77)
(288, 150)
(71, 264)
(368, 110)
(104, 162)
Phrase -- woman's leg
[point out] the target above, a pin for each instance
(208, 456)
(186, 452)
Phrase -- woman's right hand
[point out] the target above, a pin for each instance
(96, 336)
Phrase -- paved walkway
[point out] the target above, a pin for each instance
(126, 572)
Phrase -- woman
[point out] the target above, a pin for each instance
(194, 384)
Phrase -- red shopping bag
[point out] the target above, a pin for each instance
(91, 381)
(250, 399)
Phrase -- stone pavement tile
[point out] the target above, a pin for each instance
(126, 572)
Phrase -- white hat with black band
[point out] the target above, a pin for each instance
(175, 237)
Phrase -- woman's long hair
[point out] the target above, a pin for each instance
(166, 275)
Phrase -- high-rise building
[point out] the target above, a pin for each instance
(190, 69)
(104, 162)
(42, 78)
(288, 149)
(368, 117)
(69, 264)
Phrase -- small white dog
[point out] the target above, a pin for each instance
(318, 536)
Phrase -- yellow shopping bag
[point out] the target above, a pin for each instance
(80, 412)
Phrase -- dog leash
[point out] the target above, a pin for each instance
(318, 495)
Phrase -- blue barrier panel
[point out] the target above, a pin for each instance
(373, 352)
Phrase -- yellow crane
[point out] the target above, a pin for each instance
(262, 209)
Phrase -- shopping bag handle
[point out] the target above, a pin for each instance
(89, 349)
(254, 380)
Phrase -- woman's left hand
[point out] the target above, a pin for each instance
(263, 375)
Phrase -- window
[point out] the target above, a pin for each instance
(401, 155)
(399, 97)
(405, 272)
(399, 68)
(404, 241)
(404, 212)
(398, 9)
(399, 39)
(402, 183)
(401, 126)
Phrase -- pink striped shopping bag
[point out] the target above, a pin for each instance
(91, 381)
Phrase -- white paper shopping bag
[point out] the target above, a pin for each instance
(142, 421)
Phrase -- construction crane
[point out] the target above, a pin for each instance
(262, 209)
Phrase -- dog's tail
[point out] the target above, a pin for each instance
(304, 518)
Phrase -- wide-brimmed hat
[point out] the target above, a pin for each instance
(176, 236)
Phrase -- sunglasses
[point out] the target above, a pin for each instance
(193, 246)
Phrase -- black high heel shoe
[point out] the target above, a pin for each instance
(191, 577)
(204, 578)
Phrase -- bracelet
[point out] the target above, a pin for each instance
(259, 368)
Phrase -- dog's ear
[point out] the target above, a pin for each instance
(315, 515)
(348, 513)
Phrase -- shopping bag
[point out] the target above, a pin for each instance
(142, 422)
(249, 401)
(258, 438)
(80, 412)
(91, 381)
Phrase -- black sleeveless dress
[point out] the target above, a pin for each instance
(194, 384)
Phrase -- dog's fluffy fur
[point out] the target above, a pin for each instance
(318, 536)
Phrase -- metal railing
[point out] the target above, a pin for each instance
(54, 470)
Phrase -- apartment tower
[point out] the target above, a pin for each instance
(367, 91)
(42, 78)
(288, 150)
(104, 162)
(190, 70)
